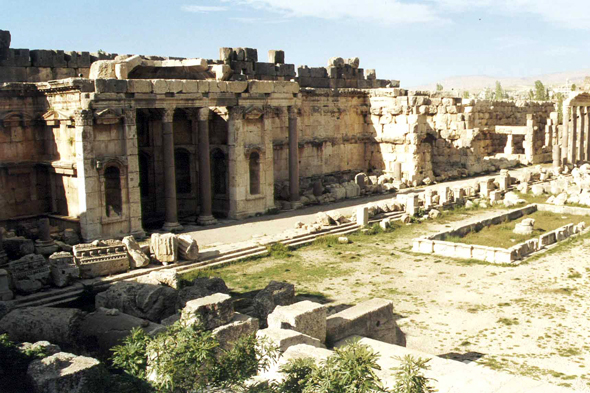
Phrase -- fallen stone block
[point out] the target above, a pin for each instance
(137, 257)
(168, 278)
(274, 294)
(373, 318)
(60, 326)
(105, 328)
(305, 317)
(188, 249)
(210, 311)
(285, 338)
(241, 325)
(146, 301)
(164, 248)
(66, 373)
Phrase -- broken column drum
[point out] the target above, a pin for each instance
(45, 245)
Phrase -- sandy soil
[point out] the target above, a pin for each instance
(530, 319)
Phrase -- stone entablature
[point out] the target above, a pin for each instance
(101, 258)
(436, 244)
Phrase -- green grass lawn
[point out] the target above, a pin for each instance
(502, 235)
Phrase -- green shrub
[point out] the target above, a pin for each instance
(350, 369)
(187, 358)
(409, 377)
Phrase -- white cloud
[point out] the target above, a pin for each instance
(203, 9)
(383, 11)
(567, 14)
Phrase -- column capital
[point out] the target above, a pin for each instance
(168, 115)
(129, 116)
(204, 114)
(83, 117)
(293, 112)
(236, 112)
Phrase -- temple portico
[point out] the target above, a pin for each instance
(575, 138)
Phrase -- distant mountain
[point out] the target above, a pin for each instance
(480, 82)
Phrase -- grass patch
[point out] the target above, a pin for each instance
(502, 235)
(509, 321)
(279, 251)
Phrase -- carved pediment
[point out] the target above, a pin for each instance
(108, 116)
(54, 117)
(253, 112)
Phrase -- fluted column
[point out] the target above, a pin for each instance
(293, 157)
(587, 133)
(206, 215)
(580, 134)
(171, 222)
(565, 134)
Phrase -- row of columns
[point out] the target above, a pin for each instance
(206, 216)
(171, 217)
(575, 138)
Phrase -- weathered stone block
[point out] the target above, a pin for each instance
(105, 328)
(147, 301)
(260, 87)
(188, 249)
(63, 269)
(273, 295)
(276, 56)
(66, 372)
(211, 311)
(164, 248)
(137, 257)
(285, 338)
(240, 326)
(59, 326)
(373, 318)
(305, 317)
(101, 258)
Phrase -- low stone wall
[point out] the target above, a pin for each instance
(436, 244)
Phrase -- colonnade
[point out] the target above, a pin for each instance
(201, 119)
(575, 137)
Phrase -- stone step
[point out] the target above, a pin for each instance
(451, 376)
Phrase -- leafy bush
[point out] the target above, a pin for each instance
(186, 358)
(351, 370)
(409, 377)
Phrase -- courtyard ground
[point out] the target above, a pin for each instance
(529, 320)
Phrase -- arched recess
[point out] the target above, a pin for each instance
(182, 160)
(219, 182)
(113, 193)
(254, 170)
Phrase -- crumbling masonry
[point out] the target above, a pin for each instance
(115, 144)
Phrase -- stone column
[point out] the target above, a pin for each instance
(205, 216)
(130, 126)
(293, 158)
(45, 245)
(580, 136)
(509, 148)
(565, 134)
(587, 132)
(171, 222)
(89, 198)
(573, 137)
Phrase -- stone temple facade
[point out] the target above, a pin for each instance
(112, 144)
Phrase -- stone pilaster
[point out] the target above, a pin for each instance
(135, 224)
(235, 149)
(267, 159)
(293, 158)
(171, 221)
(206, 215)
(89, 198)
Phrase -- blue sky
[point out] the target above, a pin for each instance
(416, 41)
